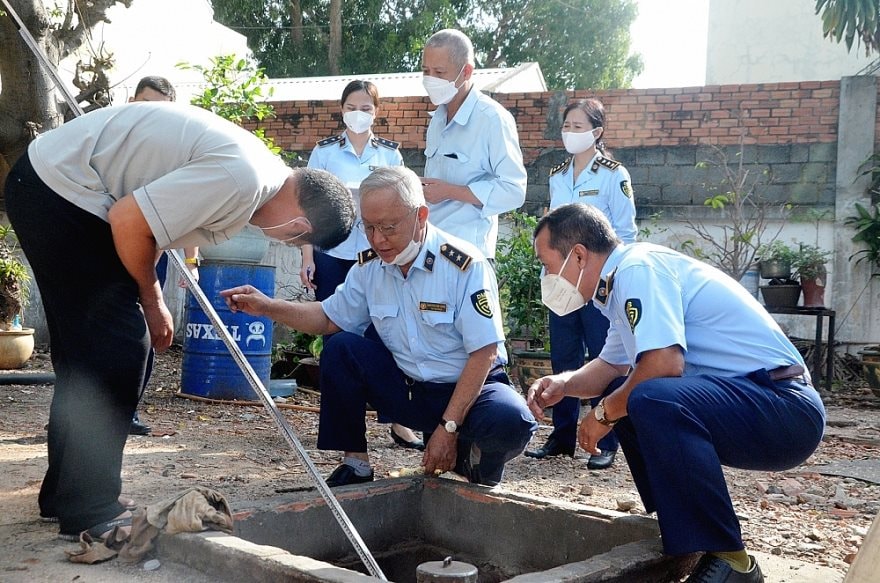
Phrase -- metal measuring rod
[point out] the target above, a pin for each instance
(291, 438)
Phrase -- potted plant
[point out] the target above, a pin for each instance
(866, 223)
(298, 358)
(16, 342)
(809, 267)
(525, 316)
(775, 264)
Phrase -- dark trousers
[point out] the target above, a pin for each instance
(359, 370)
(329, 273)
(680, 431)
(99, 344)
(572, 337)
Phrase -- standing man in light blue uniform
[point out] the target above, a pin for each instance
(474, 168)
(438, 363)
(589, 176)
(695, 375)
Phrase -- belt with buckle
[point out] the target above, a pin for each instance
(792, 372)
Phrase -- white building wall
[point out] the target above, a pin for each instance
(766, 41)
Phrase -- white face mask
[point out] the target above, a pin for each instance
(559, 294)
(358, 121)
(440, 91)
(578, 142)
(410, 251)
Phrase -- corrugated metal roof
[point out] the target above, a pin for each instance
(524, 78)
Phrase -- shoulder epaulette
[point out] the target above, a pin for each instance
(365, 257)
(390, 144)
(606, 162)
(603, 290)
(332, 140)
(458, 258)
(561, 166)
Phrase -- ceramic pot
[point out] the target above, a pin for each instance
(527, 366)
(783, 295)
(16, 347)
(814, 292)
(775, 269)
(871, 368)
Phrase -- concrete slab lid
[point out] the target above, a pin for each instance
(866, 470)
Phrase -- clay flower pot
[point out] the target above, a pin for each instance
(16, 347)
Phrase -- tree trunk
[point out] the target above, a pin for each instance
(296, 23)
(334, 49)
(29, 102)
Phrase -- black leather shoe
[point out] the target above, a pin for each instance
(138, 428)
(418, 444)
(711, 569)
(550, 449)
(344, 475)
(602, 461)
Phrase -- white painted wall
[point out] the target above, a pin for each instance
(765, 41)
(152, 36)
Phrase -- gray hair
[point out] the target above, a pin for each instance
(400, 179)
(461, 49)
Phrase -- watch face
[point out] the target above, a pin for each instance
(451, 426)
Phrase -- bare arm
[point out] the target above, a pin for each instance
(136, 248)
(440, 452)
(306, 317)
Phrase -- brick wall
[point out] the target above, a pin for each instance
(789, 131)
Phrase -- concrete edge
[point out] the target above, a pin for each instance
(230, 557)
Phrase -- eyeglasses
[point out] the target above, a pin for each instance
(385, 230)
(291, 240)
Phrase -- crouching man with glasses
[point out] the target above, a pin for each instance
(439, 364)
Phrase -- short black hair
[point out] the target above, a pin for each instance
(576, 223)
(156, 83)
(328, 205)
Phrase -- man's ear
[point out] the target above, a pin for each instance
(467, 72)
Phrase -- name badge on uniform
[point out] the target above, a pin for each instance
(593, 192)
(432, 307)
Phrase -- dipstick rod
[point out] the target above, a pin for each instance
(288, 433)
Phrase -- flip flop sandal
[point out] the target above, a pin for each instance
(128, 503)
(100, 531)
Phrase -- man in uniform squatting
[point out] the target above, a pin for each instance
(438, 367)
(695, 375)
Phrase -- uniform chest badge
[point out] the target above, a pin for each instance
(482, 304)
(633, 308)
(591, 192)
(432, 307)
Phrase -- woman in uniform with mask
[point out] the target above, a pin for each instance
(351, 156)
(588, 176)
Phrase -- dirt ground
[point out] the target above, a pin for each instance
(237, 450)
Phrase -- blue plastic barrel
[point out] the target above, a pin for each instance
(208, 369)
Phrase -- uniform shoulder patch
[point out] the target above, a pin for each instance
(561, 167)
(332, 140)
(633, 308)
(459, 258)
(626, 188)
(481, 303)
(390, 144)
(366, 256)
(606, 162)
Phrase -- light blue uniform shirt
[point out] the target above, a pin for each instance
(336, 155)
(655, 297)
(446, 308)
(479, 149)
(604, 184)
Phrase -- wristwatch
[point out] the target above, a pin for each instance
(599, 413)
(449, 426)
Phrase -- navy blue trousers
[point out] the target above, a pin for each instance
(99, 344)
(357, 370)
(680, 431)
(572, 337)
